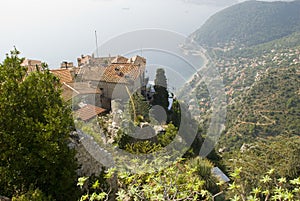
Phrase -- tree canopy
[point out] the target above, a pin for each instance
(34, 128)
(161, 91)
(250, 23)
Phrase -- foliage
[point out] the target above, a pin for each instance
(258, 158)
(141, 108)
(142, 147)
(160, 78)
(149, 145)
(269, 108)
(174, 115)
(269, 187)
(288, 42)
(95, 188)
(165, 138)
(32, 195)
(161, 93)
(34, 128)
(190, 180)
(250, 23)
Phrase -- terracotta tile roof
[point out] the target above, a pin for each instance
(88, 112)
(70, 90)
(63, 74)
(115, 73)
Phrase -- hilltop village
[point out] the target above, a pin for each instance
(95, 83)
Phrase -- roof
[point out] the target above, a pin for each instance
(91, 73)
(63, 74)
(121, 73)
(88, 112)
(115, 73)
(70, 90)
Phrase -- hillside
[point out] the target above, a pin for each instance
(288, 42)
(250, 23)
(271, 107)
(255, 46)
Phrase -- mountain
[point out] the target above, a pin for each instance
(271, 107)
(288, 42)
(261, 79)
(250, 23)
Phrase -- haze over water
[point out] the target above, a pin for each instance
(59, 30)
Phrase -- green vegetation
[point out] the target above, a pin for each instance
(269, 108)
(183, 180)
(258, 150)
(125, 141)
(269, 187)
(266, 170)
(281, 153)
(138, 108)
(34, 128)
(32, 195)
(288, 42)
(250, 23)
(262, 87)
(161, 93)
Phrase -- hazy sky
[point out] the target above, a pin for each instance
(57, 30)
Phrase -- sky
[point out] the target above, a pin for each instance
(61, 30)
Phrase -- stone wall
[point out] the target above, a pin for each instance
(90, 156)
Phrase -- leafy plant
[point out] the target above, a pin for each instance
(34, 130)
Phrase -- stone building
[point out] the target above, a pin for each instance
(117, 80)
(32, 65)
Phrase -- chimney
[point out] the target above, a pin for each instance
(90, 84)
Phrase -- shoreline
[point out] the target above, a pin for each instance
(202, 54)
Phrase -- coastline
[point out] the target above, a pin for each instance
(202, 53)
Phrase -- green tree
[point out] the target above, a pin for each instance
(161, 93)
(175, 114)
(140, 107)
(34, 128)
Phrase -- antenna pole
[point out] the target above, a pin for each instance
(96, 43)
